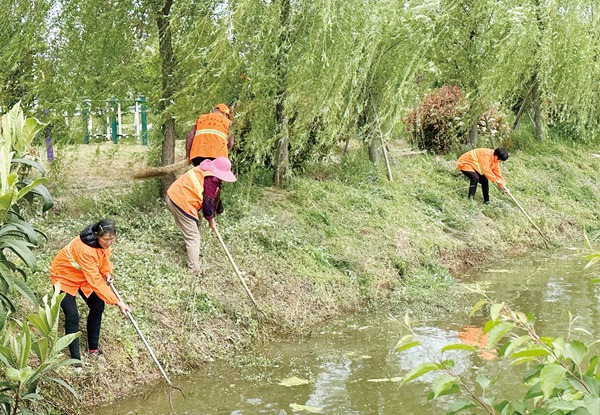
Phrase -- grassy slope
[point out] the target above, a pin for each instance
(338, 239)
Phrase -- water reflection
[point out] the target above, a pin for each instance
(353, 369)
(474, 336)
(330, 386)
(433, 339)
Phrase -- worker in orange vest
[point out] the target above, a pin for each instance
(197, 189)
(83, 267)
(210, 136)
(482, 165)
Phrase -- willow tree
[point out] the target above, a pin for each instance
(466, 48)
(569, 66)
(22, 32)
(97, 51)
(120, 50)
(533, 54)
(548, 64)
(161, 12)
(313, 73)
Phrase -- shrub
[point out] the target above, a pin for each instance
(438, 123)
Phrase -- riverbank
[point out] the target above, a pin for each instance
(339, 239)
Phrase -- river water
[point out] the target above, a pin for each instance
(350, 368)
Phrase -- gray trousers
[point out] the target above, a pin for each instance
(191, 235)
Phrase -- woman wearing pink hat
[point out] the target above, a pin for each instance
(197, 189)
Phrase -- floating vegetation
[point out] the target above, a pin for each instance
(293, 381)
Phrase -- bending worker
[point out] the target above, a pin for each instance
(210, 136)
(83, 266)
(197, 189)
(481, 166)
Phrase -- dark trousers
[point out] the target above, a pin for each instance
(475, 178)
(94, 320)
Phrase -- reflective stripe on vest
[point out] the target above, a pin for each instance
(70, 257)
(197, 184)
(215, 132)
(474, 155)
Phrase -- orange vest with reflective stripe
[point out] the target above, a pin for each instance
(78, 266)
(481, 160)
(186, 192)
(211, 136)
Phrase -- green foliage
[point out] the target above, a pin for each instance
(16, 134)
(30, 353)
(22, 33)
(562, 377)
(17, 236)
(314, 73)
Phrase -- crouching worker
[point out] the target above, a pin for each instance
(482, 165)
(83, 266)
(197, 189)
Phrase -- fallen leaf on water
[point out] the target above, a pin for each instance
(311, 409)
(366, 356)
(396, 379)
(293, 381)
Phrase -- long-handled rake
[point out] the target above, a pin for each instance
(544, 237)
(139, 332)
(237, 271)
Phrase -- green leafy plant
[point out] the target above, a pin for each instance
(29, 351)
(562, 376)
(17, 236)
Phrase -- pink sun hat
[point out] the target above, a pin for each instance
(220, 168)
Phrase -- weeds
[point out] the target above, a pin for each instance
(335, 240)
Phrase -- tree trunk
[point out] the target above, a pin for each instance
(281, 167)
(281, 158)
(530, 86)
(374, 147)
(473, 134)
(537, 112)
(521, 112)
(346, 146)
(165, 47)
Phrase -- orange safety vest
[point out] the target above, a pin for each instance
(481, 160)
(210, 140)
(186, 192)
(78, 266)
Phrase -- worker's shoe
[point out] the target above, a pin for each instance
(487, 202)
(95, 356)
(77, 367)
